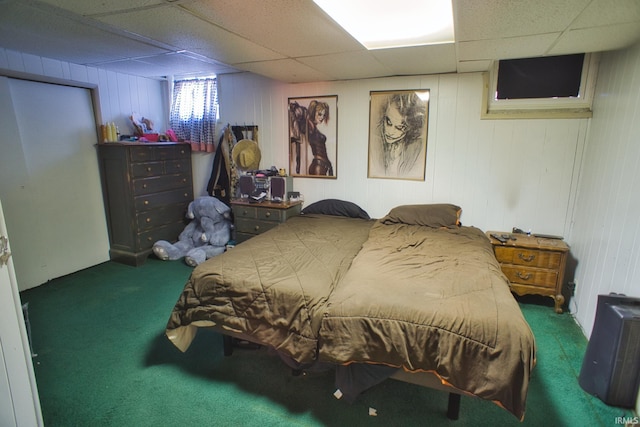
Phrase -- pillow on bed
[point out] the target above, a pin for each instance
(336, 207)
(436, 215)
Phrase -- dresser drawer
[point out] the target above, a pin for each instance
(160, 183)
(153, 201)
(147, 169)
(531, 276)
(141, 154)
(253, 226)
(172, 152)
(157, 217)
(169, 232)
(177, 166)
(528, 257)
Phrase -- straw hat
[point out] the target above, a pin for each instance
(246, 155)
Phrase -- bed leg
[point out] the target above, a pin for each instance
(227, 345)
(453, 409)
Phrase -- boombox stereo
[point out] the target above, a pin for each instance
(275, 187)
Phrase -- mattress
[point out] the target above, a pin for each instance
(432, 299)
(272, 288)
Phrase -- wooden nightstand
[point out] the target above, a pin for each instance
(533, 265)
(251, 219)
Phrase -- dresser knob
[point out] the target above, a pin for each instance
(186, 194)
(149, 169)
(268, 214)
(526, 258)
(244, 212)
(144, 185)
(146, 202)
(523, 276)
(149, 239)
(257, 227)
(148, 220)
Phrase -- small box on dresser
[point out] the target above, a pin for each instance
(251, 219)
(533, 265)
(147, 188)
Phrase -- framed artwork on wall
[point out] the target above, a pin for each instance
(398, 122)
(313, 136)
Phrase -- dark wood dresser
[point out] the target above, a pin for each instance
(533, 265)
(147, 188)
(251, 219)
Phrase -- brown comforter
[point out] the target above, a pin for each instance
(432, 299)
(273, 287)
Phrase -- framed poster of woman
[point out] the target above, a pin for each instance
(313, 136)
(398, 122)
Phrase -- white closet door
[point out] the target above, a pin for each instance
(19, 403)
(49, 180)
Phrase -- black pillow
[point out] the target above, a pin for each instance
(337, 208)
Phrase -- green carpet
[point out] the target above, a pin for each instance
(102, 360)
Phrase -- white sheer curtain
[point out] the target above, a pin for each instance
(194, 112)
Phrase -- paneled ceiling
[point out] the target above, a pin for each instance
(295, 41)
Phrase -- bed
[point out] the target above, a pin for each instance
(413, 296)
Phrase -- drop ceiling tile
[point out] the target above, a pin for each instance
(597, 39)
(508, 48)
(288, 70)
(473, 66)
(187, 30)
(84, 7)
(491, 19)
(292, 28)
(433, 59)
(160, 66)
(32, 30)
(605, 12)
(346, 66)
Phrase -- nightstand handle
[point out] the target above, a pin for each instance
(523, 276)
(268, 214)
(257, 227)
(526, 258)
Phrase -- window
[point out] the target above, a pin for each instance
(194, 110)
(545, 87)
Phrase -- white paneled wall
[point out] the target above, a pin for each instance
(606, 234)
(120, 94)
(503, 173)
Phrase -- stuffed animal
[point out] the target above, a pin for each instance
(204, 237)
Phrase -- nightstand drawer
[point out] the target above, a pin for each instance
(245, 212)
(276, 215)
(253, 226)
(528, 257)
(531, 276)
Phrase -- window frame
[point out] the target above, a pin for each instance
(566, 107)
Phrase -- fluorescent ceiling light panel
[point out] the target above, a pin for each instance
(381, 24)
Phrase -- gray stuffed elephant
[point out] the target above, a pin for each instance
(204, 237)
